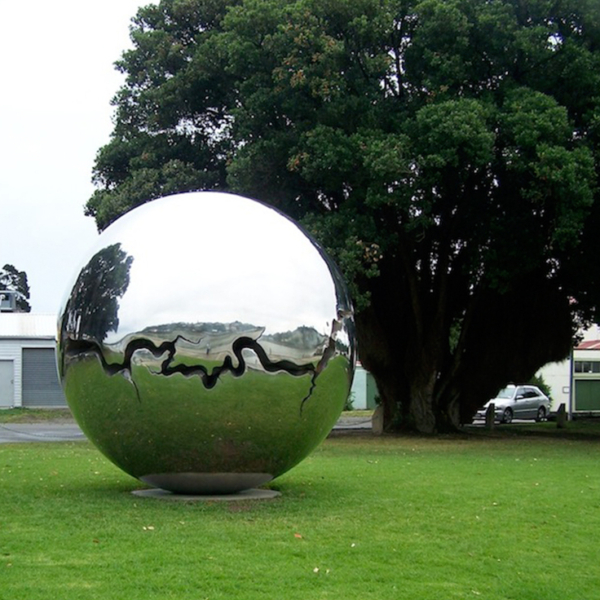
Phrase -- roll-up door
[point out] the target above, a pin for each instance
(40, 379)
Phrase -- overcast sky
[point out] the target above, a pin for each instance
(58, 79)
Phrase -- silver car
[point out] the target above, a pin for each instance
(518, 402)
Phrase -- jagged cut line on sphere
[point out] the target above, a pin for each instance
(209, 380)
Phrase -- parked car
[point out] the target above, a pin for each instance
(518, 402)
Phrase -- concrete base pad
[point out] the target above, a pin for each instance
(252, 494)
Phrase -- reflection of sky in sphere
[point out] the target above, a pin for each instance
(212, 257)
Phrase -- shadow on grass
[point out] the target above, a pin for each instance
(294, 489)
(587, 430)
(580, 429)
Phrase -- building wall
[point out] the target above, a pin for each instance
(558, 377)
(363, 390)
(12, 350)
(586, 381)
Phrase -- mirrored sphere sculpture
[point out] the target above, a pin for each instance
(207, 343)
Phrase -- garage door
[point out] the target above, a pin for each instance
(40, 379)
(587, 395)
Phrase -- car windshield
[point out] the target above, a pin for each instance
(507, 392)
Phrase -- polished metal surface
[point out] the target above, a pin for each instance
(207, 343)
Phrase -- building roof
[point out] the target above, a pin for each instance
(28, 325)
(589, 345)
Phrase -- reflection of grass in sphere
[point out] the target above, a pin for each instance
(256, 422)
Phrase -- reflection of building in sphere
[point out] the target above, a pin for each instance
(207, 344)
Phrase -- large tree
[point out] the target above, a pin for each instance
(444, 151)
(13, 280)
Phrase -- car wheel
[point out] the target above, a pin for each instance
(541, 414)
(507, 415)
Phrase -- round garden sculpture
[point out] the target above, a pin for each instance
(207, 345)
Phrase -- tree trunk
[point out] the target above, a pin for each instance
(405, 369)
(402, 344)
(426, 389)
(421, 411)
(412, 405)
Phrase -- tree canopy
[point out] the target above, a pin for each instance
(16, 281)
(444, 152)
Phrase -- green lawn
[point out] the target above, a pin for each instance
(34, 415)
(508, 515)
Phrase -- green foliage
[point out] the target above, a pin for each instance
(349, 404)
(444, 152)
(538, 380)
(16, 281)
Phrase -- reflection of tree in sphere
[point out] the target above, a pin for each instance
(94, 301)
(207, 346)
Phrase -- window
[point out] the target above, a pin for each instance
(587, 366)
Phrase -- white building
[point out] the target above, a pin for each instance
(28, 375)
(575, 382)
(364, 389)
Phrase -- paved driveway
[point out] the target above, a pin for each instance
(39, 432)
(65, 432)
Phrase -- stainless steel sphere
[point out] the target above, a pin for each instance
(207, 343)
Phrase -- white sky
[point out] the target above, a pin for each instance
(296, 290)
(57, 80)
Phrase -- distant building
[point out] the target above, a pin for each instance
(8, 301)
(363, 394)
(575, 382)
(28, 375)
